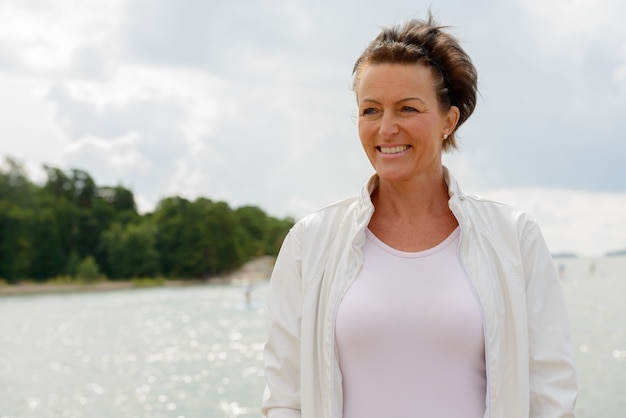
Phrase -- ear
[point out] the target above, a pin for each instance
(451, 120)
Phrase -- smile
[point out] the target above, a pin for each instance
(393, 150)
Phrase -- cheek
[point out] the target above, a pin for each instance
(366, 130)
(425, 132)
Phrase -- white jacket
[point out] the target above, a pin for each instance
(529, 355)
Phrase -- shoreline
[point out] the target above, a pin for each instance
(254, 270)
(30, 288)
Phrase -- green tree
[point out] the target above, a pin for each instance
(69, 224)
(71, 266)
(221, 238)
(254, 223)
(131, 251)
(84, 211)
(58, 183)
(15, 245)
(15, 187)
(83, 188)
(275, 234)
(142, 258)
(16, 200)
(48, 259)
(197, 239)
(171, 238)
(88, 271)
(120, 198)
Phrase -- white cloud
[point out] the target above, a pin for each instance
(588, 223)
(48, 34)
(27, 131)
(586, 38)
(576, 22)
(111, 158)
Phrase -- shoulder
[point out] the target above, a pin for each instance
(482, 211)
(503, 234)
(313, 237)
(326, 219)
(497, 217)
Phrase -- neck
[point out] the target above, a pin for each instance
(419, 197)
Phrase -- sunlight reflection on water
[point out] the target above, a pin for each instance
(594, 292)
(168, 352)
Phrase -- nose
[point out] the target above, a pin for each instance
(388, 126)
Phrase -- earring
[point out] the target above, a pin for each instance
(445, 136)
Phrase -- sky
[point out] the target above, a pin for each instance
(249, 102)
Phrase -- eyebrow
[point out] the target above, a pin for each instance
(406, 99)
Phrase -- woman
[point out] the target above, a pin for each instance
(414, 299)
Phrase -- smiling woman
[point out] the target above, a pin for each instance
(401, 124)
(453, 77)
(414, 298)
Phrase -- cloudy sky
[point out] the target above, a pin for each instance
(248, 101)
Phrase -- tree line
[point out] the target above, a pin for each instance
(70, 227)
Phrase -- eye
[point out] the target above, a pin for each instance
(370, 111)
(408, 109)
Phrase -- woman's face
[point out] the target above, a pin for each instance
(401, 124)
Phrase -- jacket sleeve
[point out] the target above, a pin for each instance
(282, 350)
(553, 387)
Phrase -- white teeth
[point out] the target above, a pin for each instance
(393, 150)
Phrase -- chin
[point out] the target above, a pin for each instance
(387, 176)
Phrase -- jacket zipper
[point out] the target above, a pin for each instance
(333, 363)
(484, 324)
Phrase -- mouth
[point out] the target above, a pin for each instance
(393, 150)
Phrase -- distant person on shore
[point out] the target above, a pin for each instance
(248, 294)
(415, 299)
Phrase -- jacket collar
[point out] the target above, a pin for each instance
(366, 191)
(365, 207)
(454, 190)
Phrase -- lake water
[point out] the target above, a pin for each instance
(162, 352)
(198, 351)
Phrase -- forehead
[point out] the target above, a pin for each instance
(394, 79)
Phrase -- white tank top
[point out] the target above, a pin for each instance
(409, 336)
